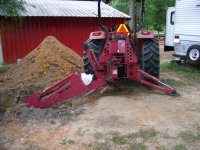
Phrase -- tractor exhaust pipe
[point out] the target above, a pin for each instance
(142, 16)
(99, 13)
(136, 28)
(99, 19)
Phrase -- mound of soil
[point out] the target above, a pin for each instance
(49, 62)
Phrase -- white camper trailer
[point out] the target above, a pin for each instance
(183, 30)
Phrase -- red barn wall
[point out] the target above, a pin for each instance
(17, 42)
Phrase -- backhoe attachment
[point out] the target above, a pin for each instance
(75, 84)
(78, 83)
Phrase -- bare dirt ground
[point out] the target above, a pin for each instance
(124, 117)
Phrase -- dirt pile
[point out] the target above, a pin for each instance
(49, 62)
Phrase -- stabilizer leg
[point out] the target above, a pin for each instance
(164, 88)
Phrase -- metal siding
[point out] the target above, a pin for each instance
(72, 32)
(187, 18)
(58, 8)
(183, 46)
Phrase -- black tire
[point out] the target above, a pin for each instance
(86, 62)
(151, 57)
(92, 45)
(193, 54)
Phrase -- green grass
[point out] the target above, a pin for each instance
(180, 147)
(190, 137)
(188, 71)
(198, 136)
(163, 148)
(134, 135)
(173, 82)
(138, 146)
(148, 133)
(98, 135)
(88, 145)
(100, 146)
(67, 142)
(4, 68)
(118, 139)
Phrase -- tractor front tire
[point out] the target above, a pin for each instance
(151, 57)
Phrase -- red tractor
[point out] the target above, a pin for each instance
(108, 58)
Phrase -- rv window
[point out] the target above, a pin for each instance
(172, 17)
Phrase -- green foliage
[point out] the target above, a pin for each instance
(155, 12)
(4, 69)
(138, 146)
(118, 139)
(121, 5)
(11, 7)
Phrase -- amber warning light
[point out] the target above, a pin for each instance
(123, 28)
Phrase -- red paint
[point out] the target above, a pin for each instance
(72, 32)
(145, 35)
(72, 86)
(106, 69)
(97, 35)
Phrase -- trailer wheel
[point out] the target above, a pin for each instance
(151, 57)
(193, 54)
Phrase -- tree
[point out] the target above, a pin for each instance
(155, 17)
(126, 6)
(155, 11)
(10, 9)
(132, 14)
(121, 5)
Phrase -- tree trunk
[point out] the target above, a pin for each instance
(131, 13)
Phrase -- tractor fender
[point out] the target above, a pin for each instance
(97, 35)
(145, 35)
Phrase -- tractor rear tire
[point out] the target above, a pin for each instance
(92, 45)
(151, 57)
(86, 62)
